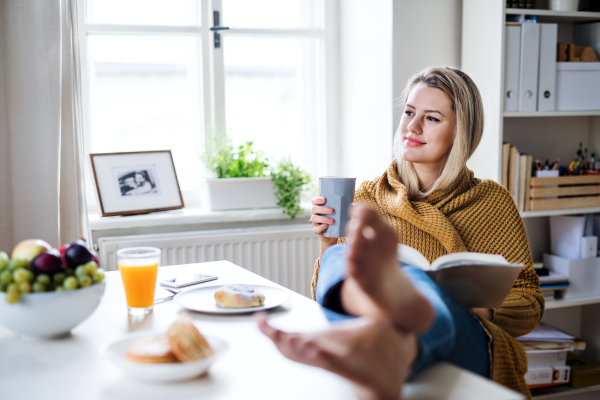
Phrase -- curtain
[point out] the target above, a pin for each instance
(42, 192)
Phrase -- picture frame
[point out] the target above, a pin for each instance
(137, 182)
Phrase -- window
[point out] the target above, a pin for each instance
(154, 77)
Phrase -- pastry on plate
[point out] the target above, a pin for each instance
(239, 296)
(187, 343)
(154, 349)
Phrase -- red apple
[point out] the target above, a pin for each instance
(62, 252)
(29, 249)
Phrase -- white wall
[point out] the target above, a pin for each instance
(382, 43)
(426, 33)
(366, 87)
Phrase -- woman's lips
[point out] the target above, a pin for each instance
(412, 142)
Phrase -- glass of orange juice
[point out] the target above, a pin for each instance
(138, 266)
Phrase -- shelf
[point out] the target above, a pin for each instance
(557, 392)
(583, 301)
(549, 213)
(583, 113)
(556, 16)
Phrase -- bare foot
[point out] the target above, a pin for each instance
(369, 352)
(373, 269)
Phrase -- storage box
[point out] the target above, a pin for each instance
(577, 86)
(565, 192)
(584, 274)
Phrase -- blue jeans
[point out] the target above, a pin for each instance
(455, 336)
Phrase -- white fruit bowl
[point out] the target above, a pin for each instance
(51, 314)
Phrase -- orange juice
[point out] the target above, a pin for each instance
(139, 280)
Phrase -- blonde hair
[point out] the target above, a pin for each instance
(468, 108)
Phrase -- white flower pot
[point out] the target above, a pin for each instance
(564, 5)
(237, 193)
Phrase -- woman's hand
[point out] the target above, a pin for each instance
(321, 222)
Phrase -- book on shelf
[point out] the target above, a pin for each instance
(518, 168)
(474, 279)
(513, 156)
(505, 156)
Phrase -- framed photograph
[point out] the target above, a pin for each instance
(136, 183)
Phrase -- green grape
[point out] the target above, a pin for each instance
(20, 275)
(59, 289)
(43, 279)
(68, 272)
(39, 287)
(30, 276)
(98, 276)
(59, 278)
(12, 287)
(3, 287)
(17, 263)
(84, 280)
(70, 283)
(13, 297)
(3, 260)
(24, 287)
(6, 277)
(81, 270)
(92, 267)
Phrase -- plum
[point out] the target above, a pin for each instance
(77, 254)
(48, 263)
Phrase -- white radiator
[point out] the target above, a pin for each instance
(284, 255)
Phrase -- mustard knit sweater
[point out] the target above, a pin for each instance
(478, 216)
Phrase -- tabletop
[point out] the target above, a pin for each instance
(74, 368)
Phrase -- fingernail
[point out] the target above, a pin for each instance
(330, 220)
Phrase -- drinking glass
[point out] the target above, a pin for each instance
(139, 266)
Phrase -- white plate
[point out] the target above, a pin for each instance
(161, 372)
(202, 299)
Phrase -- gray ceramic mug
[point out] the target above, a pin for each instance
(338, 193)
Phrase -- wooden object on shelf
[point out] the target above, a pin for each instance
(572, 53)
(565, 192)
(588, 54)
(561, 52)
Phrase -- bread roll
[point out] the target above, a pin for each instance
(239, 296)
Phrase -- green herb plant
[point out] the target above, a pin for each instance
(290, 180)
(227, 161)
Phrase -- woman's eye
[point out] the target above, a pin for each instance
(433, 119)
(409, 113)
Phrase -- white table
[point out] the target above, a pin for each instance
(73, 368)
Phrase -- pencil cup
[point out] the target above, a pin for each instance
(338, 193)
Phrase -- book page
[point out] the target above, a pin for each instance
(409, 256)
(454, 259)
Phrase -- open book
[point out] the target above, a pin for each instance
(474, 279)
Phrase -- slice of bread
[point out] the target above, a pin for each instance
(187, 343)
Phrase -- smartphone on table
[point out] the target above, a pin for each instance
(187, 280)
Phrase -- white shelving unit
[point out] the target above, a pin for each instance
(545, 135)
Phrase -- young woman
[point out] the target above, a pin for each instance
(434, 204)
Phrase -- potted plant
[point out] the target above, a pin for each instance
(246, 178)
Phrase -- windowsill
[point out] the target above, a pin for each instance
(188, 216)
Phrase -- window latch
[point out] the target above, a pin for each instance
(216, 28)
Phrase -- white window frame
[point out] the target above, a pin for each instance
(213, 71)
